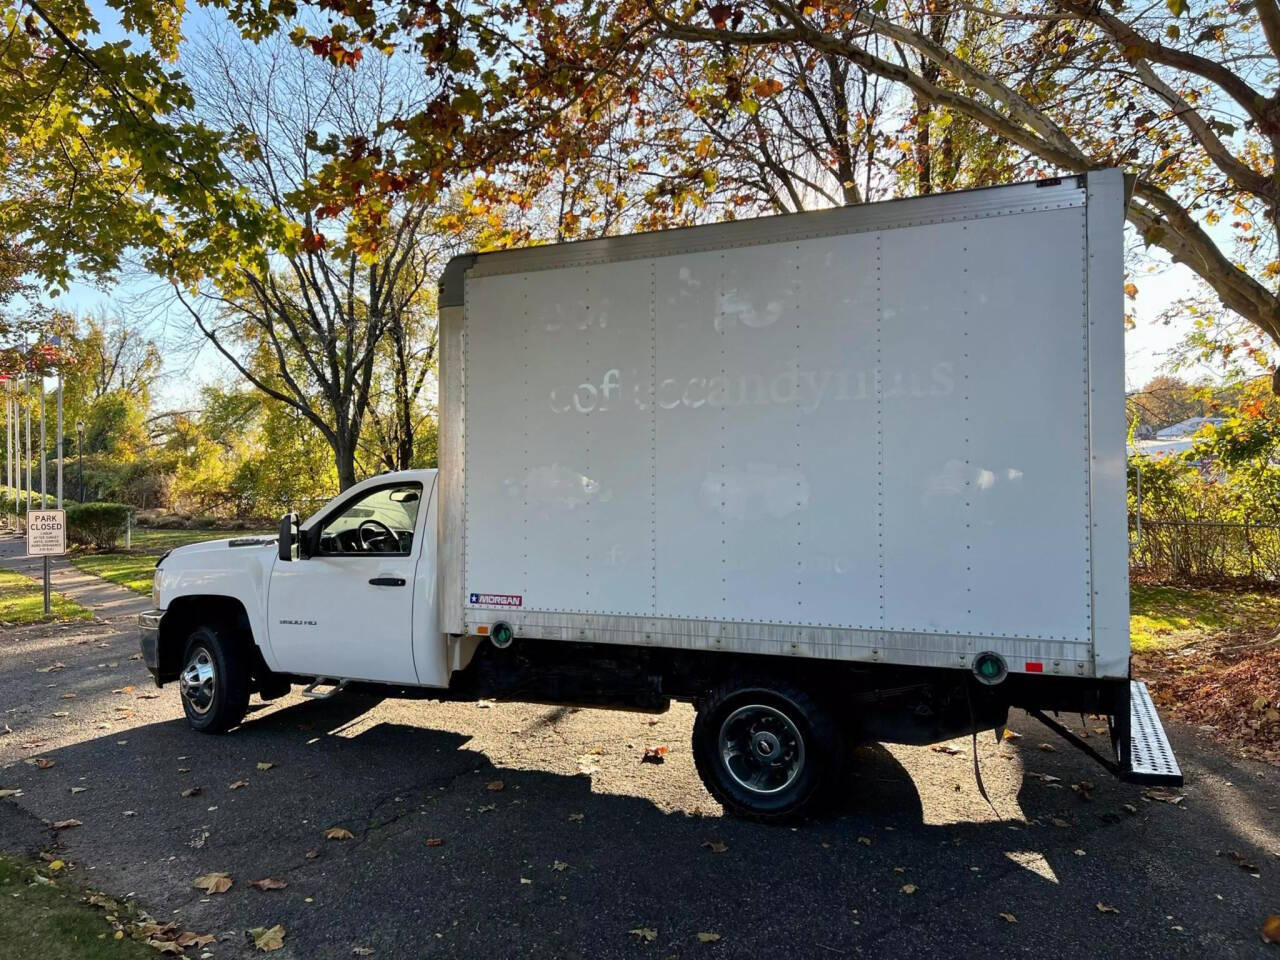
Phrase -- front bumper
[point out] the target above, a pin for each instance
(149, 638)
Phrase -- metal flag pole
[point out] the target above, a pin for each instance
(59, 438)
(28, 443)
(44, 446)
(8, 447)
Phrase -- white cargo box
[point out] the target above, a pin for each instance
(889, 433)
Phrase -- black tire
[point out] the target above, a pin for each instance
(786, 719)
(214, 680)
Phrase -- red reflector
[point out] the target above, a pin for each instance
(1035, 666)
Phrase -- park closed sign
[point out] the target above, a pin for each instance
(46, 533)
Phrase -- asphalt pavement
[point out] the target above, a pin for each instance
(503, 830)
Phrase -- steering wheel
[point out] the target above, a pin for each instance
(377, 536)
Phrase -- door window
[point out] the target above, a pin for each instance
(380, 521)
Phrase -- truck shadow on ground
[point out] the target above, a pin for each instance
(547, 866)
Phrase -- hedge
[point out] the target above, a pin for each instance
(100, 525)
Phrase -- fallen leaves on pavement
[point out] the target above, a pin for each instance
(435, 841)
(654, 755)
(65, 824)
(1163, 795)
(237, 784)
(268, 939)
(709, 936)
(338, 833)
(648, 934)
(494, 785)
(909, 888)
(1007, 917)
(265, 765)
(715, 846)
(269, 883)
(1271, 929)
(1106, 908)
(44, 763)
(191, 792)
(213, 883)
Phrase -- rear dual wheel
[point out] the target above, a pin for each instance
(766, 749)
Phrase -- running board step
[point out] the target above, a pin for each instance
(1151, 759)
(335, 687)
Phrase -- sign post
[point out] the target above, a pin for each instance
(46, 537)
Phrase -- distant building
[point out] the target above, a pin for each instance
(1172, 440)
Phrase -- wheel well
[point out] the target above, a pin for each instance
(184, 614)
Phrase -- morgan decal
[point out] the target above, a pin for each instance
(496, 600)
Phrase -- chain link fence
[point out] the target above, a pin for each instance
(1204, 549)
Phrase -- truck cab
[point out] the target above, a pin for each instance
(348, 595)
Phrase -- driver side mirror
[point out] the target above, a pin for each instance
(287, 525)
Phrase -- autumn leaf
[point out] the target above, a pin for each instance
(494, 785)
(1007, 917)
(648, 934)
(1271, 929)
(709, 936)
(715, 846)
(338, 833)
(268, 939)
(1106, 908)
(44, 763)
(265, 765)
(213, 883)
(579, 817)
(946, 748)
(191, 792)
(1010, 735)
(171, 947)
(1048, 748)
(10, 793)
(65, 824)
(654, 755)
(269, 883)
(435, 841)
(560, 866)
(238, 784)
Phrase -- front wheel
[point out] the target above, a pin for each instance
(766, 750)
(214, 681)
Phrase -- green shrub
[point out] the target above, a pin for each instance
(100, 525)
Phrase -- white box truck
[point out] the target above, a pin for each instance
(850, 475)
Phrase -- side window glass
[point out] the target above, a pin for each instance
(381, 521)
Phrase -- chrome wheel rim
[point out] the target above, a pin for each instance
(761, 748)
(199, 681)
